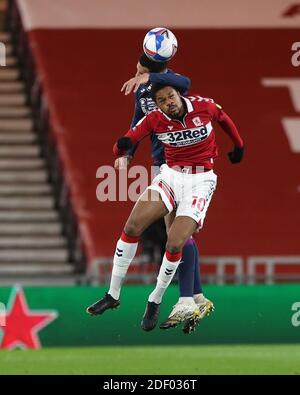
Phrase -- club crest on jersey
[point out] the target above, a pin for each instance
(186, 137)
(147, 105)
(196, 121)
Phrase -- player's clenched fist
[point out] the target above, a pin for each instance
(236, 155)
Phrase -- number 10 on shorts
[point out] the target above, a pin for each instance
(198, 203)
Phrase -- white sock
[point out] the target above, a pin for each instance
(199, 298)
(165, 276)
(124, 254)
(186, 299)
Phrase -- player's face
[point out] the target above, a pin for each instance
(141, 69)
(169, 101)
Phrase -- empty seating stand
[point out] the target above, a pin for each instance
(73, 76)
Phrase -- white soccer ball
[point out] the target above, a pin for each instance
(160, 44)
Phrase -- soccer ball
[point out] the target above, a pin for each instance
(160, 44)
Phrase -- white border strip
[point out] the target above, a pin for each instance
(190, 14)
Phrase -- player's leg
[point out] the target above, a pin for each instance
(205, 305)
(186, 307)
(190, 289)
(180, 231)
(197, 289)
(189, 284)
(186, 269)
(185, 273)
(147, 210)
(197, 194)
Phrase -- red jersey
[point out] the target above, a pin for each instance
(190, 142)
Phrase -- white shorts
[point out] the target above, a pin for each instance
(188, 194)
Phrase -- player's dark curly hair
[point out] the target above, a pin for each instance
(154, 89)
(157, 87)
(154, 67)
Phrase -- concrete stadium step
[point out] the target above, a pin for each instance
(8, 49)
(14, 112)
(11, 87)
(35, 269)
(34, 255)
(17, 138)
(12, 99)
(16, 176)
(11, 61)
(14, 125)
(32, 242)
(25, 189)
(9, 74)
(22, 164)
(31, 216)
(29, 229)
(21, 203)
(32, 246)
(8, 151)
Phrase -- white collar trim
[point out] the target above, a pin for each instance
(188, 103)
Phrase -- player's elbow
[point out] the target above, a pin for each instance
(188, 83)
(185, 85)
(124, 143)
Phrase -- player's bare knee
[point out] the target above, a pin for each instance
(174, 245)
(133, 229)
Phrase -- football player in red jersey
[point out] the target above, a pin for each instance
(192, 305)
(186, 184)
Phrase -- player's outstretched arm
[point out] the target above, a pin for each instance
(133, 84)
(227, 124)
(181, 82)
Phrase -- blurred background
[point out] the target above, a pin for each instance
(61, 110)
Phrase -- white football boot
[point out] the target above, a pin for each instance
(205, 307)
(185, 309)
